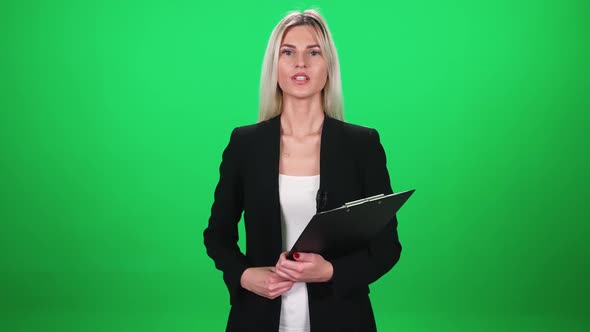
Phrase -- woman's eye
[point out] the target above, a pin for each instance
(287, 52)
(314, 52)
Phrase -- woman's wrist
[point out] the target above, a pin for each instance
(243, 278)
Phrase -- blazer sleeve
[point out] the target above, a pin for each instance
(221, 234)
(354, 272)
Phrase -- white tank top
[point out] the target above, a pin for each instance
(298, 205)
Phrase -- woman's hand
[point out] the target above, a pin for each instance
(307, 267)
(265, 282)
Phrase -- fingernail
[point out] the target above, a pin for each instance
(296, 255)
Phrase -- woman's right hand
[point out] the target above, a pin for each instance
(265, 282)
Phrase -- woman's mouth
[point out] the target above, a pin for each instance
(300, 78)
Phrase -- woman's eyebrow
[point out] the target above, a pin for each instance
(293, 46)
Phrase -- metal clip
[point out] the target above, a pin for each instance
(363, 200)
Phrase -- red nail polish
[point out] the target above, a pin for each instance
(296, 255)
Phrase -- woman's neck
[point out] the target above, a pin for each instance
(301, 117)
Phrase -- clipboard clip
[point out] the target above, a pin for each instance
(363, 200)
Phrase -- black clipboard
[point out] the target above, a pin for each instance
(348, 228)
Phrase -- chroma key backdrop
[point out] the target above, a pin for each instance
(114, 115)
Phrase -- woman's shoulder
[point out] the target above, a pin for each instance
(355, 129)
(255, 135)
(255, 130)
(355, 132)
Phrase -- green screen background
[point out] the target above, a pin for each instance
(114, 114)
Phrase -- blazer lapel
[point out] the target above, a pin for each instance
(330, 149)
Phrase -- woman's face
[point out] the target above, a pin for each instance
(302, 71)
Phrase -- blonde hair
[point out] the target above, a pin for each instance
(271, 97)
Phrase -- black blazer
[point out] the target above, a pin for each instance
(352, 166)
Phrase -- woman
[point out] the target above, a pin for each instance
(299, 159)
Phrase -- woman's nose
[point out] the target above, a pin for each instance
(300, 61)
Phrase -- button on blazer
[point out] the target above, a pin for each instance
(352, 166)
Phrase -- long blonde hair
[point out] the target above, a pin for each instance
(271, 97)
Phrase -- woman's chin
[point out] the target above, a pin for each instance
(300, 94)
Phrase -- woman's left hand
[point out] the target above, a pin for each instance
(306, 267)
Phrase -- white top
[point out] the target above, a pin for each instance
(297, 196)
